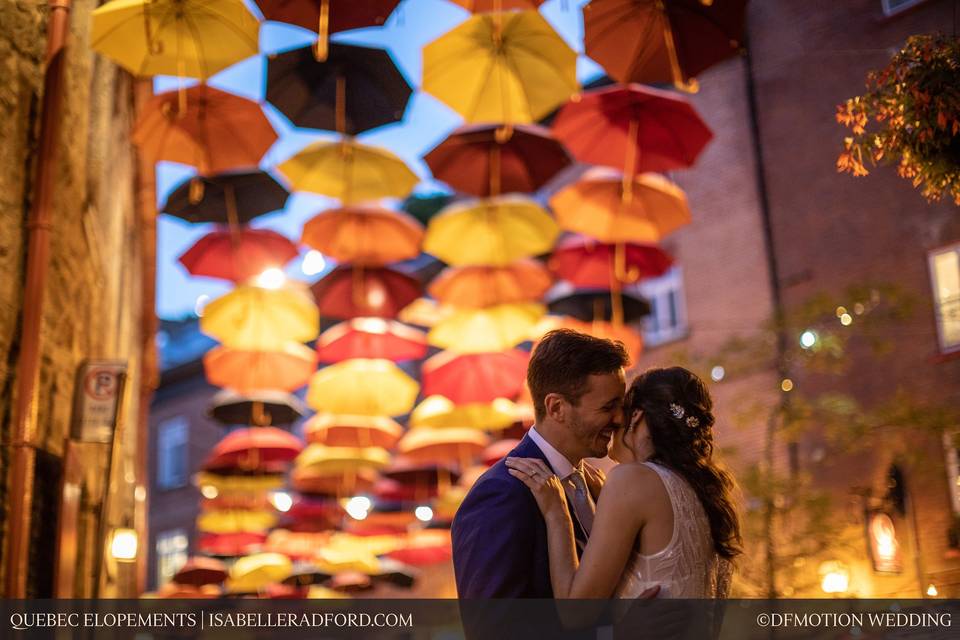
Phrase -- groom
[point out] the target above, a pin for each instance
(499, 537)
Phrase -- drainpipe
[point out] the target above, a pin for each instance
(39, 225)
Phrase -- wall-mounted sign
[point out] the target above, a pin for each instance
(884, 545)
(96, 397)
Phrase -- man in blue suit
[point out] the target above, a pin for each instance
(499, 536)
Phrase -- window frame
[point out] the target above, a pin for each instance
(942, 347)
(165, 536)
(656, 289)
(160, 479)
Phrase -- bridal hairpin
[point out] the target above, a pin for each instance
(678, 412)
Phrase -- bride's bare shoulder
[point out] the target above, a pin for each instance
(632, 482)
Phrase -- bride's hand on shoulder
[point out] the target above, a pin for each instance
(542, 482)
(595, 480)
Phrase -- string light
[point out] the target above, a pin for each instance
(717, 373)
(423, 513)
(846, 319)
(786, 385)
(272, 278)
(314, 262)
(808, 338)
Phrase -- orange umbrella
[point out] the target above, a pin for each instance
(307, 480)
(474, 287)
(217, 131)
(631, 338)
(596, 206)
(352, 431)
(199, 571)
(238, 253)
(371, 338)
(286, 369)
(366, 235)
(253, 447)
(443, 445)
(486, 6)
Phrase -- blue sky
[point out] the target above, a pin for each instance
(426, 122)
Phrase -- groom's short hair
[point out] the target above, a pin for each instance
(563, 361)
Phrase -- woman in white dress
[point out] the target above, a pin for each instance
(665, 517)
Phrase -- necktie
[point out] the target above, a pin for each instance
(582, 502)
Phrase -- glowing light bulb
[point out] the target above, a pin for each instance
(717, 373)
(281, 500)
(272, 278)
(313, 263)
(123, 547)
(423, 513)
(808, 338)
(786, 385)
(358, 508)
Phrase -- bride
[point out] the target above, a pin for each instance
(665, 517)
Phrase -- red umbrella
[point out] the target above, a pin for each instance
(200, 571)
(661, 42)
(475, 160)
(499, 449)
(587, 264)
(632, 128)
(371, 338)
(239, 254)
(230, 544)
(475, 377)
(246, 371)
(394, 491)
(254, 447)
(352, 291)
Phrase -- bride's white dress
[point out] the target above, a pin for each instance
(688, 567)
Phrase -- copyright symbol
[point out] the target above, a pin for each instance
(763, 620)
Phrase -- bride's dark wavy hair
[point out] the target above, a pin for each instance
(686, 446)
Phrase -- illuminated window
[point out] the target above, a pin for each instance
(893, 7)
(668, 314)
(951, 445)
(172, 453)
(172, 548)
(945, 280)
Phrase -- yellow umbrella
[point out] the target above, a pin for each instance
(438, 412)
(262, 319)
(253, 572)
(438, 446)
(349, 171)
(495, 231)
(597, 206)
(424, 312)
(363, 387)
(495, 328)
(186, 38)
(501, 67)
(224, 484)
(236, 520)
(333, 460)
(334, 561)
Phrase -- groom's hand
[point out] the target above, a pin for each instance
(595, 479)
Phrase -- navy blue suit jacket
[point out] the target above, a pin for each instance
(500, 537)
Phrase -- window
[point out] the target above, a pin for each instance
(171, 554)
(945, 279)
(951, 441)
(172, 453)
(893, 7)
(668, 314)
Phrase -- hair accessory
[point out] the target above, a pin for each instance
(678, 412)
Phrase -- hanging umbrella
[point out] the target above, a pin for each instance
(198, 571)
(371, 338)
(285, 369)
(424, 206)
(349, 171)
(631, 338)
(458, 445)
(584, 263)
(501, 67)
(186, 38)
(393, 491)
(256, 408)
(254, 572)
(366, 387)
(472, 287)
(418, 474)
(475, 160)
(595, 206)
(330, 460)
(349, 292)
(176, 591)
(633, 129)
(228, 198)
(662, 42)
(498, 450)
(224, 482)
(366, 235)
(485, 6)
(238, 254)
(248, 448)
(226, 545)
(592, 305)
(424, 547)
(261, 319)
(425, 312)
(236, 521)
(328, 16)
(352, 431)
(475, 377)
(355, 89)
(437, 412)
(496, 328)
(493, 232)
(316, 481)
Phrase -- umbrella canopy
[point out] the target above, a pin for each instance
(475, 160)
(589, 306)
(285, 369)
(371, 338)
(329, 460)
(256, 408)
(349, 171)
(198, 571)
(495, 232)
(254, 572)
(366, 235)
(366, 387)
(233, 198)
(633, 129)
(238, 254)
(596, 206)
(475, 377)
(443, 445)
(437, 412)
(661, 42)
(501, 67)
(496, 328)
(473, 287)
(248, 448)
(584, 263)
(226, 545)
(425, 312)
(316, 481)
(240, 483)
(236, 521)
(632, 339)
(484, 6)
(499, 449)
(217, 132)
(352, 431)
(192, 38)
(355, 89)
(352, 291)
(261, 319)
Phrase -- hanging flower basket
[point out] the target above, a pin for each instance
(910, 116)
